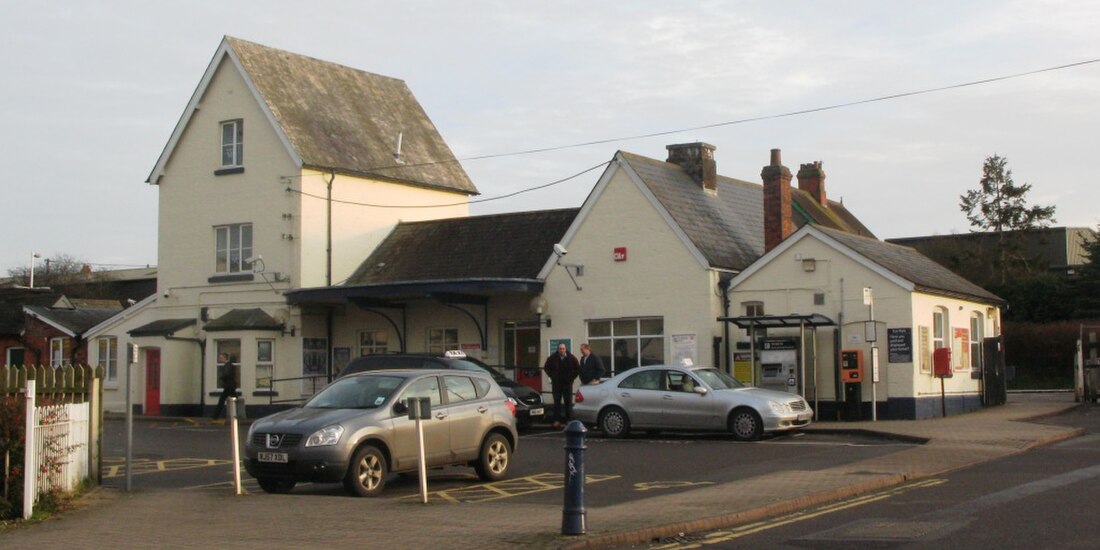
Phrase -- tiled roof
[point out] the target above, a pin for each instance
(244, 319)
(349, 120)
(161, 327)
(913, 266)
(76, 320)
(498, 246)
(728, 227)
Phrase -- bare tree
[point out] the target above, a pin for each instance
(56, 270)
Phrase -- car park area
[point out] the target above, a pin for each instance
(196, 455)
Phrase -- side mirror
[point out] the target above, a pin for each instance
(699, 390)
(400, 408)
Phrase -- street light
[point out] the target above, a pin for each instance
(34, 255)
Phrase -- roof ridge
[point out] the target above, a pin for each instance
(234, 39)
(494, 215)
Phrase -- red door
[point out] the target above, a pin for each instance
(152, 382)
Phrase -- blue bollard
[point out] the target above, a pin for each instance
(573, 515)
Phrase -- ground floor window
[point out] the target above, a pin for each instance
(373, 342)
(60, 351)
(265, 363)
(15, 357)
(442, 339)
(229, 356)
(977, 333)
(108, 358)
(314, 364)
(627, 343)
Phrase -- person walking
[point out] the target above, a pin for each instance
(562, 368)
(228, 381)
(591, 365)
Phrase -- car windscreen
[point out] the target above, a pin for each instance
(477, 366)
(717, 379)
(356, 392)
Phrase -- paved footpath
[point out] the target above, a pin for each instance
(189, 519)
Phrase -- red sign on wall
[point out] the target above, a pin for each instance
(620, 254)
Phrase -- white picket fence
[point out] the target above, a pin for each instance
(58, 436)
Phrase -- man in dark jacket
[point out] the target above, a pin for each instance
(228, 381)
(562, 368)
(591, 365)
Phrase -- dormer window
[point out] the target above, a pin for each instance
(232, 143)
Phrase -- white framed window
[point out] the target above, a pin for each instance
(265, 364)
(232, 143)
(15, 356)
(940, 328)
(977, 333)
(442, 339)
(232, 245)
(107, 357)
(623, 344)
(373, 342)
(753, 309)
(60, 351)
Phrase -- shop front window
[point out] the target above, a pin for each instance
(623, 344)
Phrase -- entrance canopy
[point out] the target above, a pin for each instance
(812, 320)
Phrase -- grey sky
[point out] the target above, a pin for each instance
(93, 89)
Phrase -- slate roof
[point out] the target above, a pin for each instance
(497, 246)
(922, 271)
(728, 228)
(161, 327)
(348, 119)
(75, 320)
(244, 319)
(12, 301)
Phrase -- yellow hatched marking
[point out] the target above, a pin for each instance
(145, 466)
(487, 492)
(753, 528)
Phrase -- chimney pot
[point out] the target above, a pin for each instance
(777, 158)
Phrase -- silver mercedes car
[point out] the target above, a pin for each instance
(662, 397)
(357, 430)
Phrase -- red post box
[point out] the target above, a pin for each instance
(941, 362)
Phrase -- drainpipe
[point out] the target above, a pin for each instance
(724, 285)
(328, 272)
(202, 367)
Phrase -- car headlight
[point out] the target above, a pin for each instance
(328, 435)
(779, 408)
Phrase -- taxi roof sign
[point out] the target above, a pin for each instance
(454, 354)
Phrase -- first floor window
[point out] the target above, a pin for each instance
(60, 351)
(623, 344)
(441, 340)
(108, 357)
(373, 342)
(232, 246)
(233, 143)
(265, 364)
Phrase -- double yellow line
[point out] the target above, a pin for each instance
(752, 528)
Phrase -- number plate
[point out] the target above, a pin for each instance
(805, 416)
(272, 457)
(536, 412)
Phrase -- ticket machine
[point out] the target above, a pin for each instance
(851, 375)
(779, 364)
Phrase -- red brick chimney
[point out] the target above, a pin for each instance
(778, 224)
(697, 159)
(811, 179)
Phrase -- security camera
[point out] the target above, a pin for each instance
(560, 250)
(253, 259)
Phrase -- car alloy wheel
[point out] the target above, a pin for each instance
(614, 422)
(746, 425)
(495, 456)
(366, 474)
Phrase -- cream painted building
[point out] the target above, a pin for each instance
(280, 174)
(917, 306)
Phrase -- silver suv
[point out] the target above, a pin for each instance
(357, 430)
